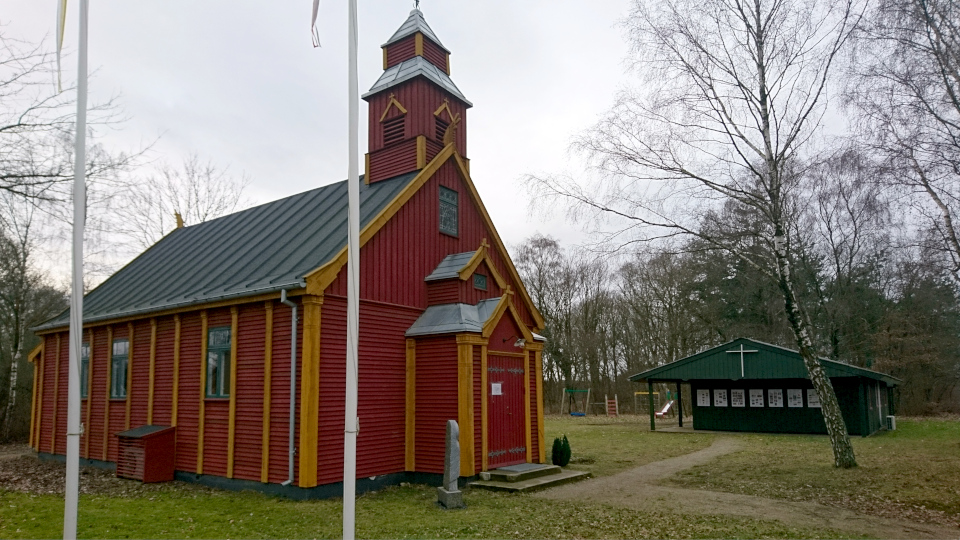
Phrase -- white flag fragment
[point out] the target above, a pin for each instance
(61, 27)
(313, 23)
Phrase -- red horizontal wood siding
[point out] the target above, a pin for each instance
(382, 388)
(139, 373)
(404, 49)
(436, 399)
(394, 160)
(188, 398)
(163, 372)
(100, 368)
(62, 382)
(435, 55)
(280, 393)
(248, 437)
(443, 292)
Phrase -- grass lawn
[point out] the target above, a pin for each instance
(600, 445)
(606, 446)
(913, 472)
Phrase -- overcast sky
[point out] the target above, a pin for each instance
(237, 82)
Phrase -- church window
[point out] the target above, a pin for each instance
(393, 130)
(218, 362)
(441, 126)
(449, 211)
(84, 369)
(118, 369)
(480, 282)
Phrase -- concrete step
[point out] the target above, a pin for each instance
(523, 471)
(531, 484)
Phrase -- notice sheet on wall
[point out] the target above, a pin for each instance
(813, 399)
(719, 398)
(756, 397)
(738, 398)
(496, 389)
(795, 397)
(775, 397)
(703, 398)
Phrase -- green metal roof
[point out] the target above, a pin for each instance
(260, 250)
(766, 362)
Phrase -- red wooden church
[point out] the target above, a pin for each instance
(193, 333)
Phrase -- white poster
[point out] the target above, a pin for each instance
(703, 398)
(795, 397)
(775, 397)
(813, 399)
(756, 397)
(496, 389)
(719, 398)
(738, 398)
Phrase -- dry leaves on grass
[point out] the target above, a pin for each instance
(28, 474)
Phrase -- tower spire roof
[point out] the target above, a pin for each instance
(415, 23)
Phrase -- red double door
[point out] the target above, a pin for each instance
(506, 443)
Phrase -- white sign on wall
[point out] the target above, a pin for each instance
(738, 398)
(775, 397)
(795, 397)
(756, 397)
(813, 399)
(703, 398)
(720, 398)
(496, 389)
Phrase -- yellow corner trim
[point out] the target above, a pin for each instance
(176, 371)
(421, 151)
(465, 406)
(418, 44)
(384, 58)
(232, 418)
(310, 391)
(32, 357)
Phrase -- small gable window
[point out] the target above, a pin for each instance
(118, 369)
(449, 211)
(393, 130)
(84, 369)
(218, 362)
(480, 282)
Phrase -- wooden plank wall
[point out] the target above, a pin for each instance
(436, 399)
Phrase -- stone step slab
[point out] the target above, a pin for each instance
(531, 484)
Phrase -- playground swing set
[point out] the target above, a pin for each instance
(576, 402)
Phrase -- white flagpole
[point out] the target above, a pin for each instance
(71, 499)
(351, 422)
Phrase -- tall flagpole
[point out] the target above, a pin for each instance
(71, 499)
(351, 422)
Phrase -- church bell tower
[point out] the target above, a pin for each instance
(415, 109)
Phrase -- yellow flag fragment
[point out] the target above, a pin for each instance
(61, 27)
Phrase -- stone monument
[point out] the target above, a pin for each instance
(449, 495)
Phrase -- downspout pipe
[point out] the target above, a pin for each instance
(293, 385)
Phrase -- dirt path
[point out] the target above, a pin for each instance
(638, 488)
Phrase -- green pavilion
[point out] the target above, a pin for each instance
(748, 385)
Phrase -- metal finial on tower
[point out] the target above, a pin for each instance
(416, 4)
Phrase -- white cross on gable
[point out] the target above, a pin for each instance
(741, 352)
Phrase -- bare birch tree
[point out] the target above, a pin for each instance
(735, 91)
(906, 87)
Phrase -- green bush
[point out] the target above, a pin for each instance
(560, 454)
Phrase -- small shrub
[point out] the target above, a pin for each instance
(560, 454)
